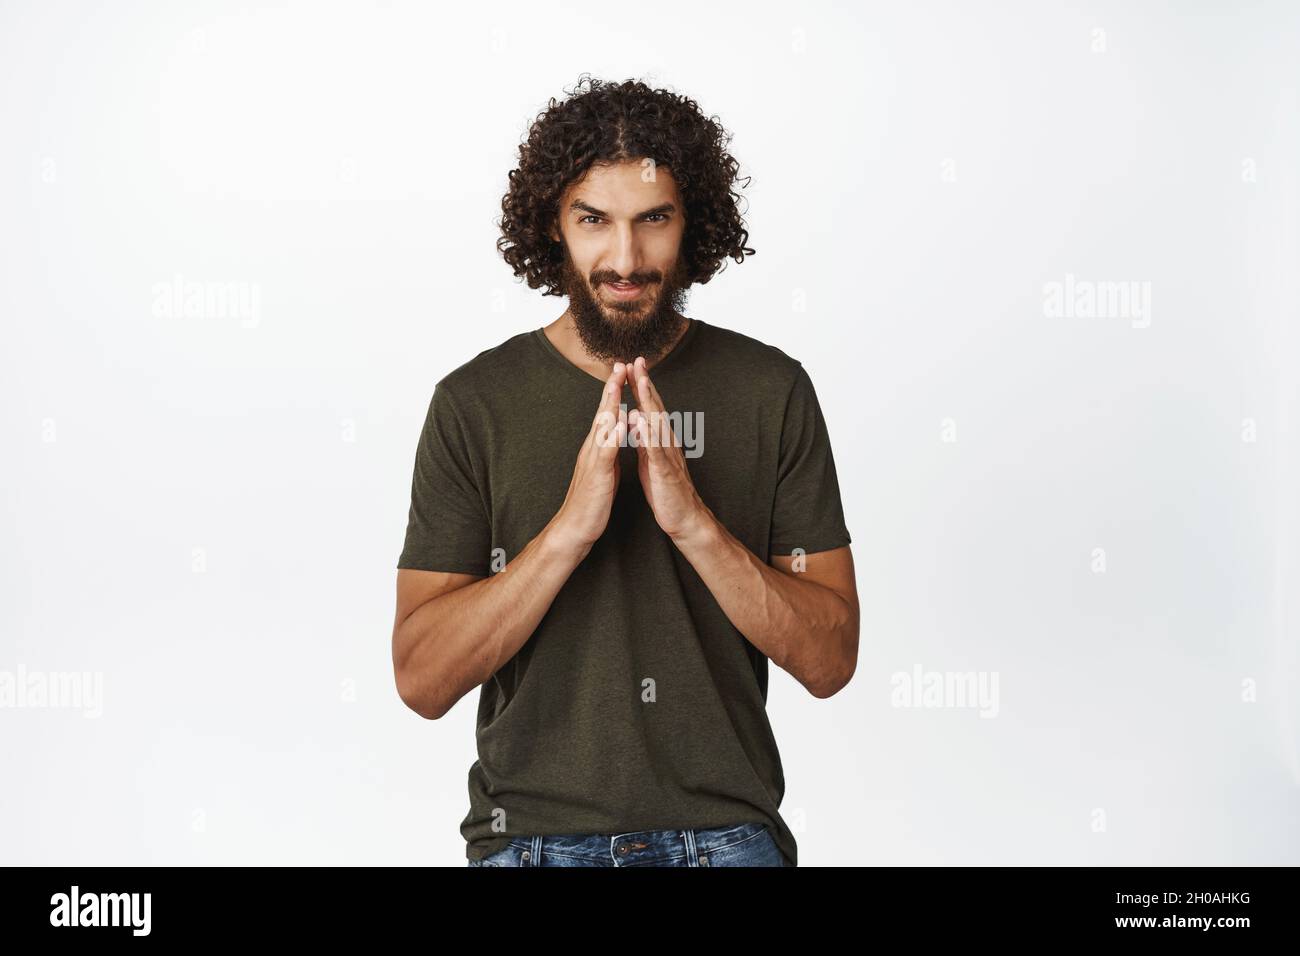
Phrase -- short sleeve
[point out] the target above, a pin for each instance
(807, 512)
(447, 527)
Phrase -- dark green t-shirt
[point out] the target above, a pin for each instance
(635, 704)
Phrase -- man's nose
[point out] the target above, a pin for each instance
(624, 255)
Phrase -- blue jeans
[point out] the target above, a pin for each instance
(744, 844)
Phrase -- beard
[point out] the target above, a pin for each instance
(613, 330)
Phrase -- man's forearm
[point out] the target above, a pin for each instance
(805, 628)
(452, 644)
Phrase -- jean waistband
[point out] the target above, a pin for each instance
(640, 847)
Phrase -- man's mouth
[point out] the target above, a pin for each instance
(624, 290)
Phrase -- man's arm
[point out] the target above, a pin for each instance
(452, 632)
(805, 621)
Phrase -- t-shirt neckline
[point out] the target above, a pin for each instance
(664, 364)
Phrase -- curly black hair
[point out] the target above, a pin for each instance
(618, 122)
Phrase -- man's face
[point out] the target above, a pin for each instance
(620, 225)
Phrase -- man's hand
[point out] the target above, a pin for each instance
(661, 466)
(585, 512)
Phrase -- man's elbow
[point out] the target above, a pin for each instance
(831, 687)
(838, 678)
(418, 701)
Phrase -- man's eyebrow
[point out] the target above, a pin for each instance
(579, 206)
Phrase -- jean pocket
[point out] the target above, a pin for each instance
(749, 845)
(719, 838)
(518, 852)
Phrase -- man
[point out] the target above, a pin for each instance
(614, 585)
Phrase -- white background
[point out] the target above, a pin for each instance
(920, 172)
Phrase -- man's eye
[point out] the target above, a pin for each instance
(657, 217)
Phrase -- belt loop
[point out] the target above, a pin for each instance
(537, 851)
(691, 858)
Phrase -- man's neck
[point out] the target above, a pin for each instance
(564, 336)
